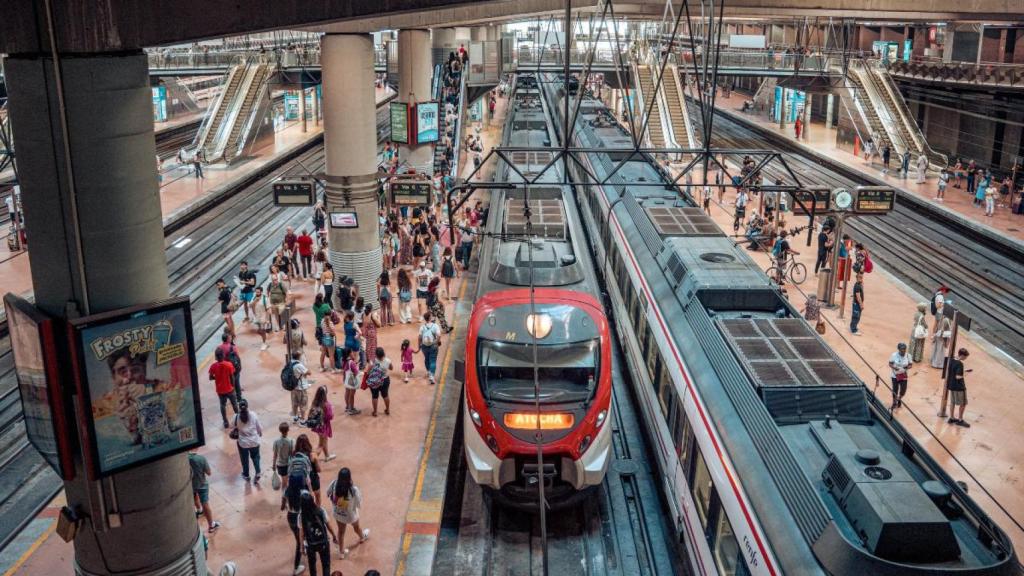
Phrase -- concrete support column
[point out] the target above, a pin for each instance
(493, 32)
(316, 105)
(350, 143)
(302, 109)
(108, 257)
(414, 81)
(947, 42)
(807, 116)
(443, 42)
(463, 34)
(479, 34)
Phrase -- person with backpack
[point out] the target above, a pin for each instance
(247, 278)
(299, 468)
(247, 433)
(313, 530)
(304, 447)
(200, 469)
(350, 380)
(295, 379)
(378, 380)
(448, 272)
(221, 372)
(404, 296)
(228, 304)
(278, 295)
(321, 413)
(347, 500)
(435, 305)
(429, 341)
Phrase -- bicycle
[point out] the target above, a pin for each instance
(795, 271)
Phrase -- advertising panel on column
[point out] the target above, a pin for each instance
(399, 122)
(427, 116)
(136, 375)
(46, 408)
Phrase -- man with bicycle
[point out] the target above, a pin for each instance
(781, 251)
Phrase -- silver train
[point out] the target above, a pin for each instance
(774, 457)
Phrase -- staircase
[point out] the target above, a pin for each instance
(247, 115)
(215, 116)
(655, 131)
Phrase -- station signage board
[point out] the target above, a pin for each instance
(48, 412)
(820, 197)
(135, 372)
(874, 200)
(294, 193)
(410, 192)
(427, 122)
(399, 119)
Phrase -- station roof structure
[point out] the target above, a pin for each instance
(91, 26)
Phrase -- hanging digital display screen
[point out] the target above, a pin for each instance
(399, 122)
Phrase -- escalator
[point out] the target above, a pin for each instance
(655, 130)
(675, 104)
(909, 129)
(252, 110)
(215, 114)
(868, 113)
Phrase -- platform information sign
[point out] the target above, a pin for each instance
(344, 220)
(874, 200)
(410, 193)
(47, 410)
(294, 193)
(399, 122)
(136, 376)
(818, 196)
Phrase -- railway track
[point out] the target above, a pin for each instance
(919, 246)
(244, 225)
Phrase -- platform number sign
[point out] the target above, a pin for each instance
(874, 200)
(294, 193)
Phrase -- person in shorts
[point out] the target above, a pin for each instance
(422, 278)
(200, 469)
(378, 380)
(247, 279)
(283, 449)
(300, 395)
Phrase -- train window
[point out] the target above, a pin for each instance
(727, 549)
(666, 393)
(651, 354)
(655, 370)
(702, 486)
(681, 433)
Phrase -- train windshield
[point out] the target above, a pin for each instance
(567, 372)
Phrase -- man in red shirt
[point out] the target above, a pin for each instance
(222, 373)
(305, 242)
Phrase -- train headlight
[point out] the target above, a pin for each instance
(476, 418)
(538, 325)
(584, 444)
(492, 443)
(601, 416)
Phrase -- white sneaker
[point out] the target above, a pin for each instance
(299, 570)
(366, 535)
(264, 346)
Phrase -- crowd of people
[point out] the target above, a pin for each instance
(422, 257)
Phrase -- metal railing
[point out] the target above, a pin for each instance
(225, 59)
(960, 72)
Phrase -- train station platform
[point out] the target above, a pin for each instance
(980, 456)
(399, 461)
(821, 140)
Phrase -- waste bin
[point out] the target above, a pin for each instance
(823, 281)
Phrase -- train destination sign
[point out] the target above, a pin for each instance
(410, 192)
(820, 197)
(294, 193)
(874, 200)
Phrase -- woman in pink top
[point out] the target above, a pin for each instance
(319, 421)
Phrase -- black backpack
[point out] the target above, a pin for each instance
(288, 379)
(315, 529)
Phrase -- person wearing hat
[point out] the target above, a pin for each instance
(957, 387)
(899, 364)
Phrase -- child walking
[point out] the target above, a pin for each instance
(283, 449)
(407, 364)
